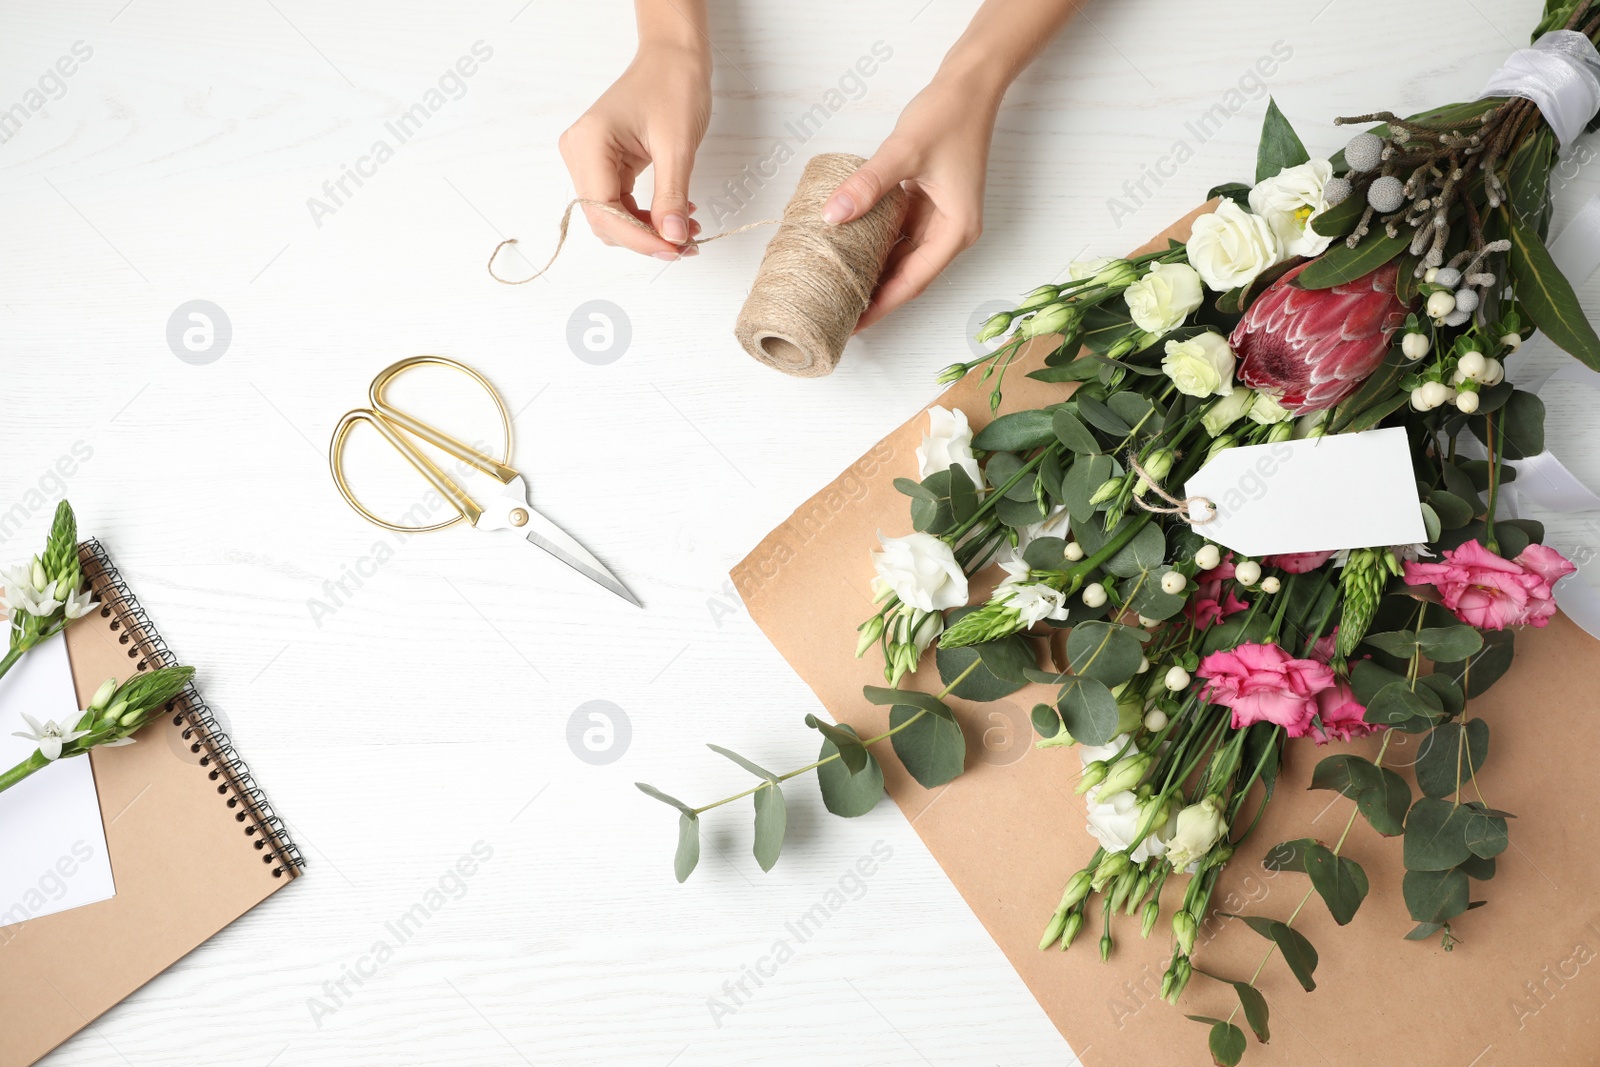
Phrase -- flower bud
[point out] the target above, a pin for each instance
(1092, 776)
(132, 716)
(1105, 947)
(1184, 929)
(1045, 294)
(1069, 932)
(114, 712)
(1108, 489)
(871, 630)
(995, 325)
(1076, 892)
(1199, 828)
(1147, 922)
(1280, 431)
(1126, 773)
(1050, 319)
(103, 695)
(1052, 932)
(1121, 890)
(40, 579)
(953, 373)
(1181, 971)
(1114, 865)
(1415, 345)
(1221, 444)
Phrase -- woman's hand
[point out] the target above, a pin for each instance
(654, 115)
(940, 150)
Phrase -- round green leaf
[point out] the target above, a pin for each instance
(772, 818)
(845, 794)
(1017, 432)
(1436, 896)
(1436, 835)
(1089, 710)
(1452, 749)
(932, 748)
(1106, 651)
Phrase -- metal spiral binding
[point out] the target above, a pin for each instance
(208, 741)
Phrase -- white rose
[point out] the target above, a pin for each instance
(1033, 601)
(1114, 819)
(1290, 201)
(1227, 411)
(921, 570)
(1200, 366)
(1267, 411)
(947, 443)
(1230, 247)
(1163, 298)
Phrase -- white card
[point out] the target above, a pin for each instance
(1353, 490)
(52, 841)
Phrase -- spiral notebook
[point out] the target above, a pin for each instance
(193, 844)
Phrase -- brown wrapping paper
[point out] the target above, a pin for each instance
(184, 858)
(1521, 990)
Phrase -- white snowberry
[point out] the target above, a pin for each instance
(1248, 572)
(1512, 341)
(1144, 665)
(1437, 393)
(1441, 304)
(1467, 403)
(1155, 720)
(1472, 365)
(1419, 399)
(1176, 678)
(1173, 582)
(1094, 595)
(1208, 557)
(1494, 373)
(1386, 194)
(1364, 152)
(1271, 584)
(1073, 552)
(1415, 345)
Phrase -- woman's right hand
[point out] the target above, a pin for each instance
(654, 115)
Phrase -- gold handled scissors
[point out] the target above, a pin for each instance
(507, 510)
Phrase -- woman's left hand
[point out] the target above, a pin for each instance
(940, 150)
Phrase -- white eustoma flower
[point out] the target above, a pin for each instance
(1227, 411)
(1267, 411)
(1289, 202)
(1230, 247)
(1114, 819)
(1058, 523)
(1163, 298)
(78, 604)
(1033, 601)
(947, 443)
(1200, 366)
(1088, 754)
(1198, 829)
(921, 570)
(50, 737)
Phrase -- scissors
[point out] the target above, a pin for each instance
(507, 510)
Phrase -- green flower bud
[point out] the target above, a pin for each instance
(1156, 467)
(1120, 891)
(1126, 773)
(132, 717)
(1070, 932)
(1280, 431)
(871, 630)
(1108, 489)
(1111, 866)
(1045, 294)
(953, 373)
(1092, 776)
(1052, 932)
(1147, 922)
(40, 579)
(995, 325)
(1181, 969)
(1077, 889)
(1105, 947)
(103, 695)
(1184, 930)
(114, 712)
(1051, 319)
(1221, 444)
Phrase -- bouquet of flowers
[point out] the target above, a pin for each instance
(43, 597)
(1384, 287)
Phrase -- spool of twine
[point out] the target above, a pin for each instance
(816, 279)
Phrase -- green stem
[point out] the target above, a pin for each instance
(10, 660)
(869, 741)
(32, 764)
(1491, 542)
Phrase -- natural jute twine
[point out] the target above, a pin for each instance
(815, 278)
(1177, 507)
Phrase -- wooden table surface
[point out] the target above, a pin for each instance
(427, 705)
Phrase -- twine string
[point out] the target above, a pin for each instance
(1175, 505)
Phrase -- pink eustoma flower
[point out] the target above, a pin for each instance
(1263, 683)
(1491, 592)
(1311, 348)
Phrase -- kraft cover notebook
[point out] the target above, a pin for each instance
(1523, 987)
(193, 844)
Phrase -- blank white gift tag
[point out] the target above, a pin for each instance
(1354, 490)
(52, 842)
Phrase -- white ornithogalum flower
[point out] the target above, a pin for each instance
(947, 443)
(1163, 298)
(1230, 247)
(1289, 201)
(1032, 601)
(1200, 366)
(1198, 829)
(921, 570)
(78, 604)
(25, 597)
(50, 737)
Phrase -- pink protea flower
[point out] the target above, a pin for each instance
(1311, 348)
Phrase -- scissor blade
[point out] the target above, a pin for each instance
(556, 541)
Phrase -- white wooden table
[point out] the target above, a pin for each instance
(399, 723)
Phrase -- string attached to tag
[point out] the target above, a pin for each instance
(1194, 510)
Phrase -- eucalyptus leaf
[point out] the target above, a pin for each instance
(652, 791)
(845, 792)
(1046, 720)
(1449, 642)
(753, 768)
(1436, 835)
(1101, 417)
(1476, 674)
(1107, 652)
(772, 817)
(1087, 473)
(1072, 433)
(1340, 882)
(932, 748)
(688, 854)
(1436, 896)
(1292, 944)
(852, 753)
(1227, 1044)
(1486, 835)
(1144, 552)
(1452, 748)
(1255, 1010)
(1016, 432)
(1289, 855)
(1088, 709)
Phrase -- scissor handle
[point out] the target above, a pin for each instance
(384, 418)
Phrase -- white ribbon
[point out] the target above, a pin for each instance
(1560, 73)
